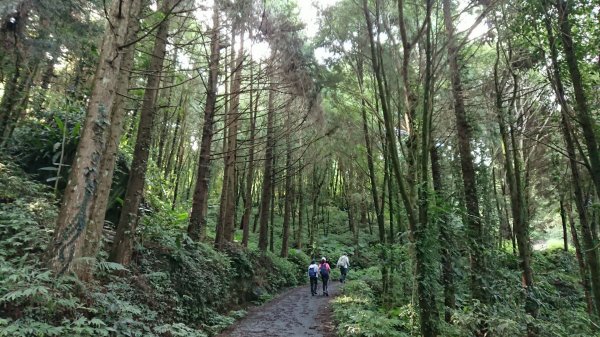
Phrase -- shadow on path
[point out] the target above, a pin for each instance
(293, 313)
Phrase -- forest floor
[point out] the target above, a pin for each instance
(293, 313)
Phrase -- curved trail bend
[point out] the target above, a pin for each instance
(294, 313)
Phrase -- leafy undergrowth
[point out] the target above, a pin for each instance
(558, 296)
(175, 287)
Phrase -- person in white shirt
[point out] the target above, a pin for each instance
(313, 274)
(344, 264)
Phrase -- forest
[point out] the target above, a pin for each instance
(168, 168)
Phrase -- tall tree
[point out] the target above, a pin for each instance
(197, 226)
(267, 190)
(289, 193)
(254, 98)
(589, 245)
(230, 172)
(418, 221)
(66, 248)
(125, 236)
(109, 157)
(588, 126)
(464, 135)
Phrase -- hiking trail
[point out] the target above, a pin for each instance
(293, 313)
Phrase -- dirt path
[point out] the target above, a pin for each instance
(293, 313)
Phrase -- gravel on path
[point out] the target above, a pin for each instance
(293, 313)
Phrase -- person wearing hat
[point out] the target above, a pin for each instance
(324, 270)
(313, 274)
(344, 264)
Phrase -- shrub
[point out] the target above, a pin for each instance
(358, 315)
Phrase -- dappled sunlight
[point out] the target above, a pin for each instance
(344, 299)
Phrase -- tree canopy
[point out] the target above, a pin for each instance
(450, 147)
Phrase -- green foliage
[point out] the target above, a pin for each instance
(357, 312)
(178, 330)
(175, 288)
(360, 312)
(300, 261)
(277, 272)
(39, 146)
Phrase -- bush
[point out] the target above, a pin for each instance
(275, 272)
(357, 314)
(301, 262)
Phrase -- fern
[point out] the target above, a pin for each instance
(108, 267)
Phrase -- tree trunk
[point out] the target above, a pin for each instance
(228, 220)
(197, 227)
(563, 220)
(584, 117)
(40, 99)
(180, 161)
(125, 236)
(19, 110)
(109, 156)
(591, 252)
(427, 307)
(474, 225)
(14, 87)
(77, 205)
(268, 167)
(583, 270)
(9, 99)
(446, 235)
(300, 206)
(371, 166)
(289, 193)
(162, 110)
(173, 148)
(272, 211)
(250, 169)
(512, 166)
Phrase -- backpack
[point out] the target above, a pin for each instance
(312, 272)
(324, 271)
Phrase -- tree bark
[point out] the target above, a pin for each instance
(371, 166)
(473, 219)
(77, 205)
(563, 220)
(583, 270)
(272, 211)
(263, 239)
(250, 169)
(446, 236)
(109, 156)
(427, 306)
(289, 193)
(230, 189)
(197, 227)
(512, 166)
(591, 252)
(125, 237)
(584, 117)
(300, 206)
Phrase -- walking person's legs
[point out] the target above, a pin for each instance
(313, 285)
(325, 279)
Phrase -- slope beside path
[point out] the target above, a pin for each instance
(293, 313)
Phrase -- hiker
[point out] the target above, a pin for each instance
(344, 264)
(313, 274)
(324, 270)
